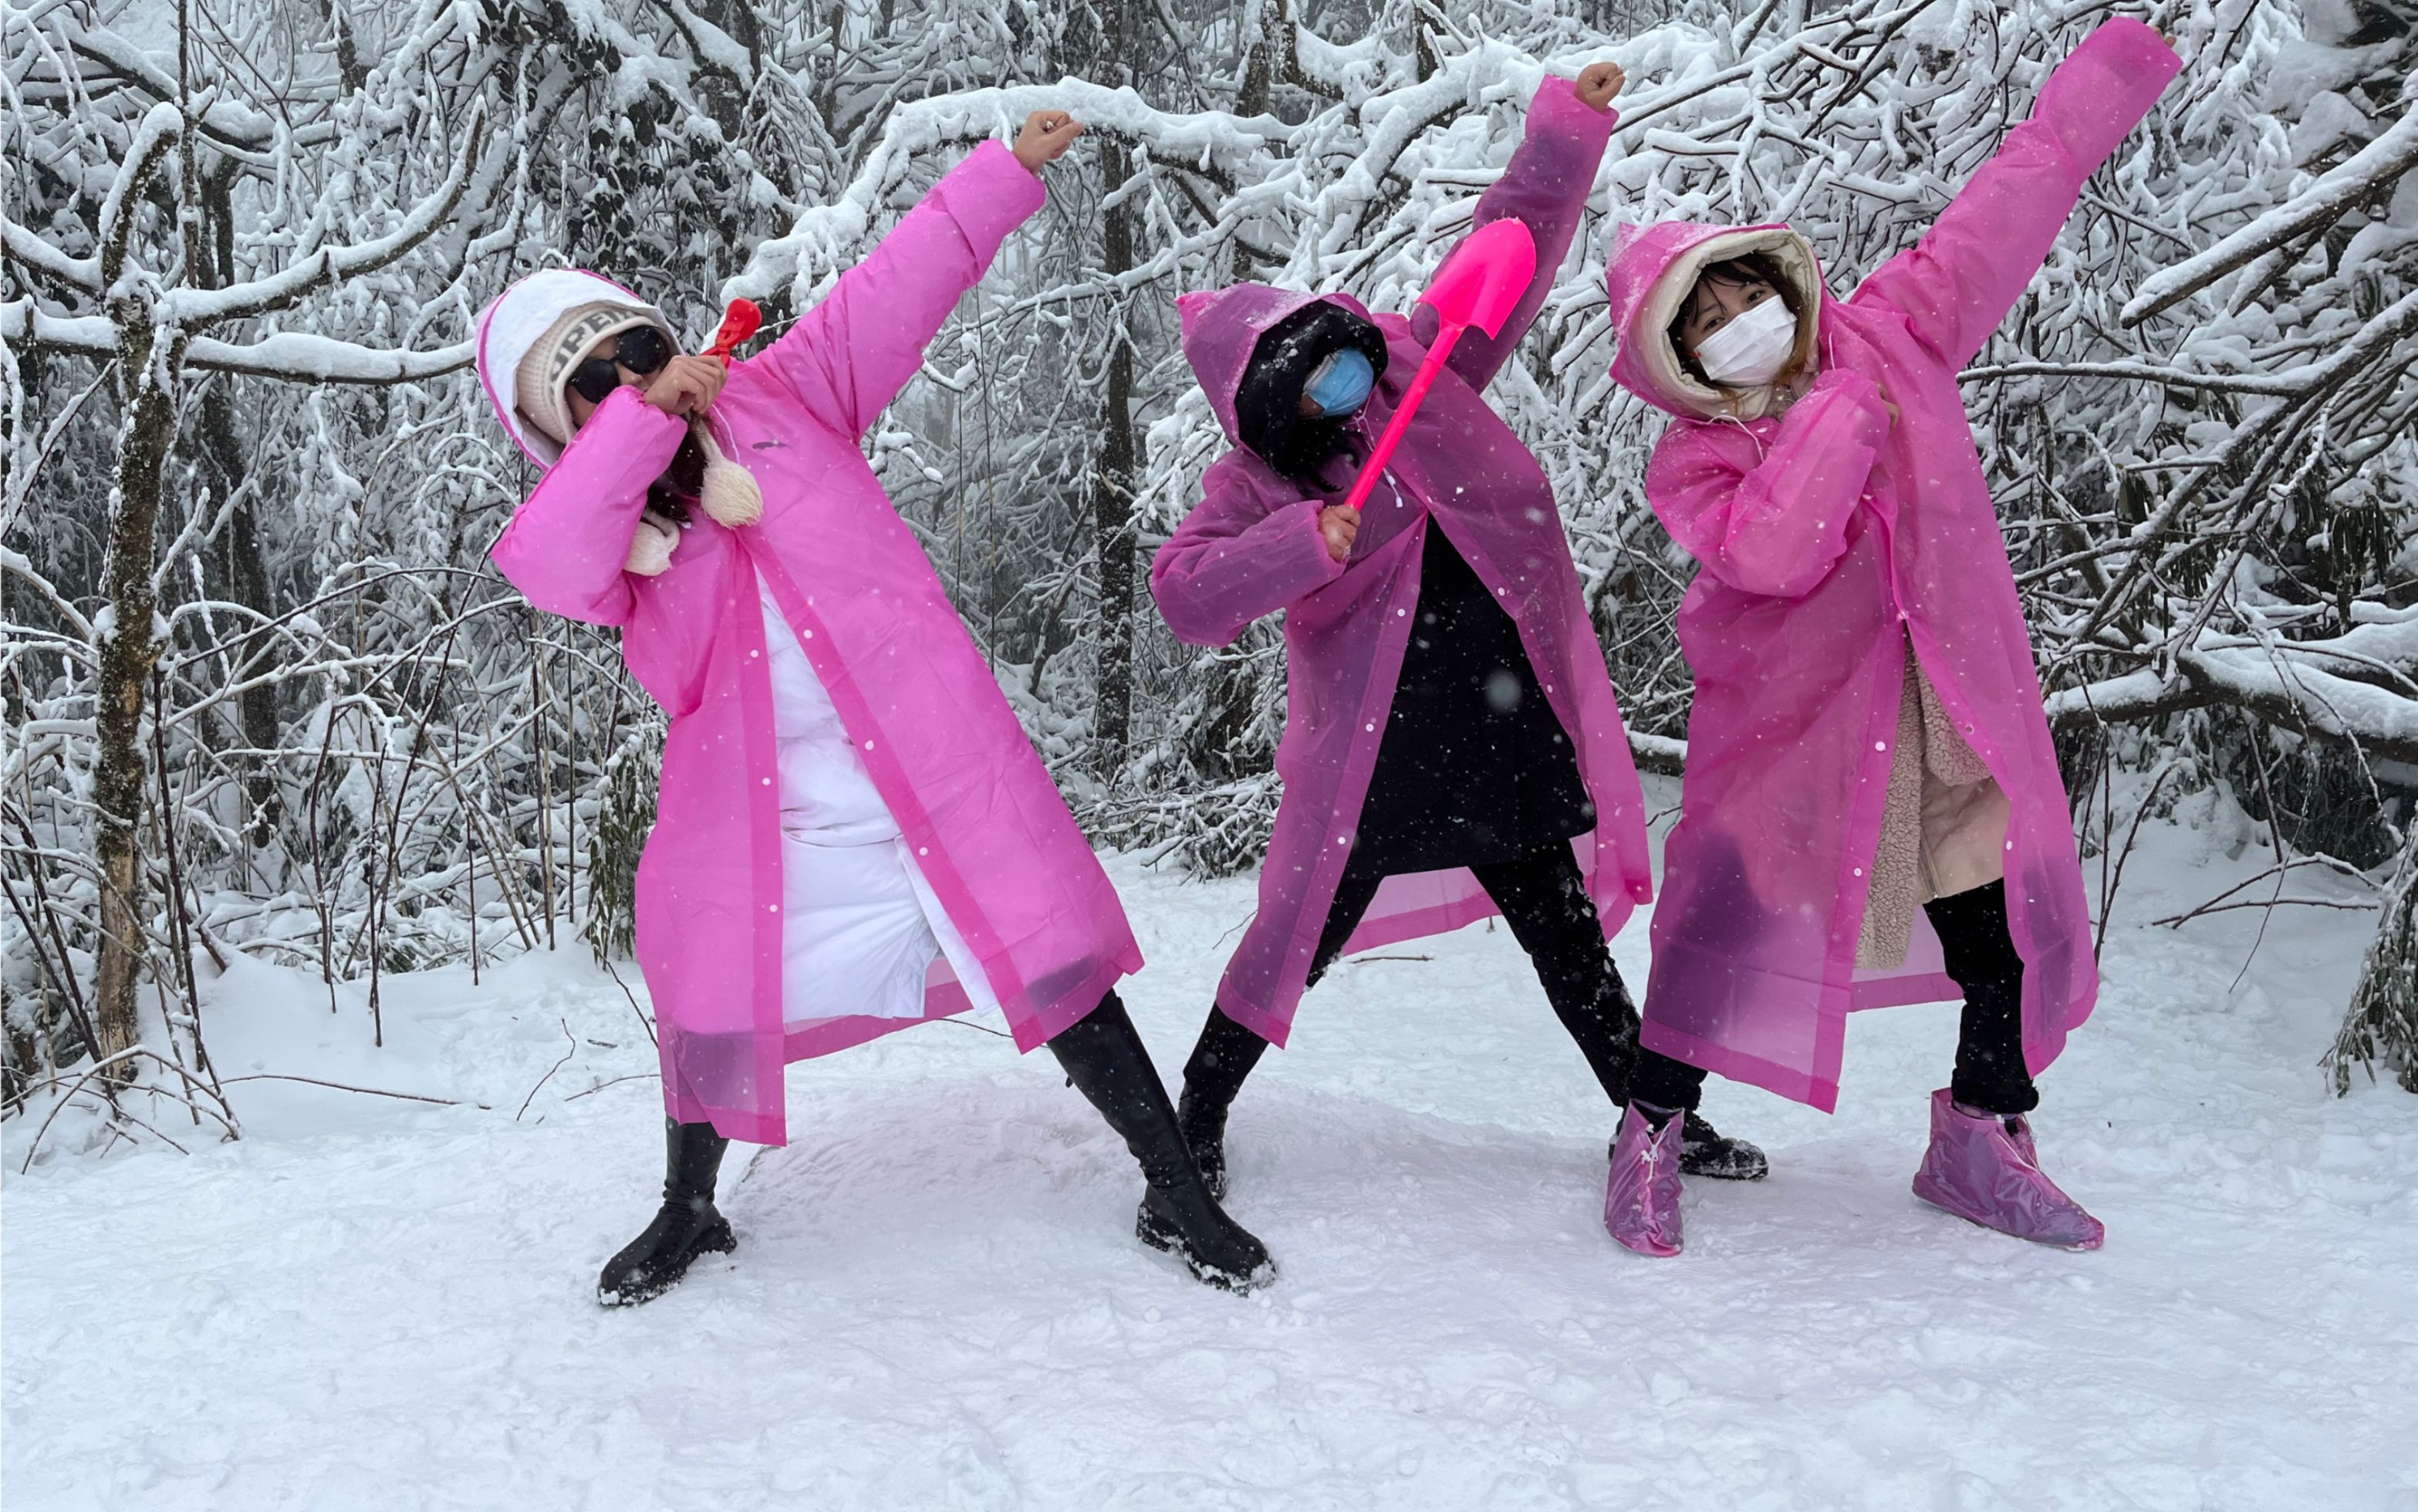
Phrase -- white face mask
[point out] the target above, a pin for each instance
(1751, 350)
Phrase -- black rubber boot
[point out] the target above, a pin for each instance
(1105, 1060)
(1220, 1062)
(686, 1227)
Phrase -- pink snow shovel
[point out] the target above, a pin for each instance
(1477, 288)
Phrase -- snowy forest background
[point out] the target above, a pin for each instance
(265, 694)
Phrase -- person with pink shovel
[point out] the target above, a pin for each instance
(1867, 733)
(1452, 746)
(854, 835)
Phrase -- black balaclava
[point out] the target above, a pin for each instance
(1268, 407)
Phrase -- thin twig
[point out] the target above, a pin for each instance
(2181, 919)
(635, 1076)
(368, 1091)
(551, 1070)
(644, 1022)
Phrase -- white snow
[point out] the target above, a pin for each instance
(938, 1301)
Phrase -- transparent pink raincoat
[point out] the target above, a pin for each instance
(1251, 547)
(990, 833)
(1829, 541)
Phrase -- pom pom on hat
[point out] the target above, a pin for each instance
(730, 493)
(651, 547)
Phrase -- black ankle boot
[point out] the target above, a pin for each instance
(1105, 1059)
(1220, 1061)
(1706, 1151)
(686, 1227)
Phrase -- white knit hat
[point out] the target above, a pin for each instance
(568, 312)
(518, 319)
(541, 386)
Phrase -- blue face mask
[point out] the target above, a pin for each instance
(1342, 383)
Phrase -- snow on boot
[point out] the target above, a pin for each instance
(686, 1227)
(1706, 1151)
(1640, 1202)
(1105, 1060)
(1983, 1168)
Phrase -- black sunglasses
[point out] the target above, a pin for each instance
(641, 350)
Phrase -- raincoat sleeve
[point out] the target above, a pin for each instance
(1239, 555)
(1777, 526)
(1957, 284)
(566, 544)
(847, 358)
(1545, 186)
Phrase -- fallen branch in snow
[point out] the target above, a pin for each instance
(2177, 921)
(366, 1091)
(114, 1108)
(635, 1076)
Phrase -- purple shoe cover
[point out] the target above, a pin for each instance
(1641, 1203)
(1982, 1168)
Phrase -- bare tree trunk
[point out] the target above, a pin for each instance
(1269, 56)
(244, 578)
(127, 654)
(724, 94)
(243, 567)
(1112, 488)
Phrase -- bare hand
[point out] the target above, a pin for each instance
(1598, 83)
(1047, 134)
(686, 385)
(1888, 403)
(1338, 525)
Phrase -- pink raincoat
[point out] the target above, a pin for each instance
(1830, 541)
(1252, 547)
(991, 835)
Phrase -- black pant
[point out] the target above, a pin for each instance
(1543, 899)
(1980, 956)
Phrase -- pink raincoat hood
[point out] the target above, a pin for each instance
(1650, 271)
(1223, 329)
(1834, 540)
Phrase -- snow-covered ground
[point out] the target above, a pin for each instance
(938, 1303)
